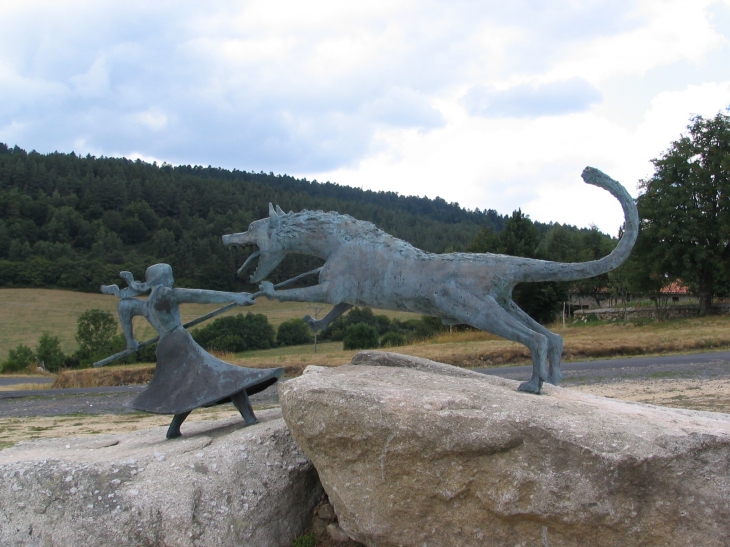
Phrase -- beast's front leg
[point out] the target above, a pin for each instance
(317, 293)
(338, 310)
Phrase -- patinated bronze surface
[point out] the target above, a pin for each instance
(367, 267)
(186, 376)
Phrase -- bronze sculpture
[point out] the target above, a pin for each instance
(367, 267)
(186, 376)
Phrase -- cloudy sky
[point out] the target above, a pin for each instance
(491, 104)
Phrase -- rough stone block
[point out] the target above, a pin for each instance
(220, 484)
(424, 454)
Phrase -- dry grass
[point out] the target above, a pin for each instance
(25, 387)
(125, 375)
(474, 349)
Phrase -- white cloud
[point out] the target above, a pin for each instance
(95, 81)
(526, 100)
(366, 93)
(674, 30)
(154, 118)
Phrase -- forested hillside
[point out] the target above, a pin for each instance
(73, 222)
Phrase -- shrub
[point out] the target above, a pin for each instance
(392, 339)
(95, 333)
(424, 327)
(360, 336)
(148, 354)
(250, 331)
(294, 332)
(71, 361)
(336, 330)
(49, 351)
(18, 359)
(229, 342)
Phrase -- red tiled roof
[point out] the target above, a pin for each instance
(675, 287)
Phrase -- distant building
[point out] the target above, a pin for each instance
(677, 290)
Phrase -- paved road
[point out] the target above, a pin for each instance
(13, 380)
(35, 393)
(98, 400)
(53, 402)
(692, 365)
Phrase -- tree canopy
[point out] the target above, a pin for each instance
(75, 222)
(685, 211)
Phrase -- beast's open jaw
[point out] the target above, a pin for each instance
(266, 263)
(248, 262)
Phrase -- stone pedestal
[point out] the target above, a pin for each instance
(416, 453)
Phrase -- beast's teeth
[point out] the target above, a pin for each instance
(248, 262)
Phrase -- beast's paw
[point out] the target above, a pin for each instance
(554, 377)
(267, 288)
(533, 386)
(313, 323)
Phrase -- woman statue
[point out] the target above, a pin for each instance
(186, 376)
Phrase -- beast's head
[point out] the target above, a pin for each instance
(262, 234)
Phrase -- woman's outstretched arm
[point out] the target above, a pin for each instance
(202, 296)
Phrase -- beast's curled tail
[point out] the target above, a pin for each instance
(541, 270)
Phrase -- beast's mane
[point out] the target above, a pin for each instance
(345, 227)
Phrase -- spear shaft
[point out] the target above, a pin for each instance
(130, 351)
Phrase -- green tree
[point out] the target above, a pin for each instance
(18, 359)
(294, 332)
(360, 336)
(95, 333)
(486, 241)
(594, 245)
(521, 237)
(685, 210)
(49, 351)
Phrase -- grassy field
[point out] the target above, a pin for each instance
(26, 313)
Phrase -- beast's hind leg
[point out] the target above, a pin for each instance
(555, 341)
(486, 314)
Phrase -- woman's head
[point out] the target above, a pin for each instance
(159, 274)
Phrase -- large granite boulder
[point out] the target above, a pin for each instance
(220, 484)
(417, 453)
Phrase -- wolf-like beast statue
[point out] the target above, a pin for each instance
(367, 267)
